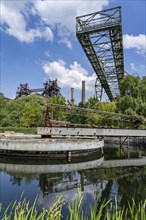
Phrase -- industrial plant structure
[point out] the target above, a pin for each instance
(50, 89)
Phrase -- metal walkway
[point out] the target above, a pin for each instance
(100, 35)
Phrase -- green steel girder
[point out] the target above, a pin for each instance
(100, 35)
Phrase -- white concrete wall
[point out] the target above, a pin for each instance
(90, 132)
(50, 145)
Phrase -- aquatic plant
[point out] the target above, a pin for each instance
(21, 210)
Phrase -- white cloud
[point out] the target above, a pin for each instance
(47, 54)
(53, 15)
(69, 196)
(13, 22)
(133, 67)
(135, 42)
(65, 12)
(64, 36)
(138, 69)
(71, 76)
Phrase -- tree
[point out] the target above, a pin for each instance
(32, 112)
(130, 85)
(26, 111)
(132, 100)
(91, 102)
(57, 112)
(4, 114)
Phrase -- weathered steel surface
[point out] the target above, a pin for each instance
(50, 89)
(90, 132)
(55, 145)
(100, 35)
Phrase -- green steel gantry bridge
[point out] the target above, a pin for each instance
(100, 35)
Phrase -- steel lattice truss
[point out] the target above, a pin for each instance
(100, 35)
(109, 115)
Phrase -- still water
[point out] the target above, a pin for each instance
(116, 172)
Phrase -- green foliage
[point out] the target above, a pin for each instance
(130, 86)
(21, 210)
(75, 209)
(107, 210)
(3, 112)
(106, 106)
(91, 102)
(1, 95)
(57, 113)
(28, 111)
(95, 118)
(133, 97)
(57, 100)
(19, 130)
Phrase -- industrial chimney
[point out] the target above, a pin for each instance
(83, 92)
(72, 95)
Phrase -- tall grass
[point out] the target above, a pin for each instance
(21, 210)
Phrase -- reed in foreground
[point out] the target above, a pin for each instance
(21, 210)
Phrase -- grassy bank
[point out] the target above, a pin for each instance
(21, 210)
(18, 130)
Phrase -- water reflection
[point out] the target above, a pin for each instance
(25, 168)
(119, 172)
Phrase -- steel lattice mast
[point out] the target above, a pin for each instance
(100, 35)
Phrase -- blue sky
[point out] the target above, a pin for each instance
(38, 42)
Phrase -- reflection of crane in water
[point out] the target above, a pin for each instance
(59, 184)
